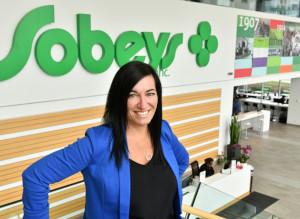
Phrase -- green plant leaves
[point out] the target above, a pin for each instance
(235, 127)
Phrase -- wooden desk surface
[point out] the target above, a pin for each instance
(249, 115)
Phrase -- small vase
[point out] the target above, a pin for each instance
(233, 152)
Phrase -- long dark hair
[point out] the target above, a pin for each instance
(115, 114)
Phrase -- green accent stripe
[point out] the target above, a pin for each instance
(296, 59)
(273, 70)
(261, 43)
(273, 61)
(296, 67)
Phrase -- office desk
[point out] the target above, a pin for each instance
(251, 94)
(280, 110)
(265, 102)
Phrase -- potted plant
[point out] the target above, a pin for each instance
(234, 149)
(222, 158)
(245, 153)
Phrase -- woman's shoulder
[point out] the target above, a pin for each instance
(166, 130)
(100, 137)
(165, 125)
(102, 128)
(203, 167)
(102, 131)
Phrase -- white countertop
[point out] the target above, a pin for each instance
(249, 115)
(266, 102)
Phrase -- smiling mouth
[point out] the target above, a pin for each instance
(143, 113)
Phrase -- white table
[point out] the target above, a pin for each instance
(259, 120)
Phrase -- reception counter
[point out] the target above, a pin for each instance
(219, 190)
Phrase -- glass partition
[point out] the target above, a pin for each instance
(266, 90)
(208, 199)
(273, 86)
(255, 88)
(285, 87)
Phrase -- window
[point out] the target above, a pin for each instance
(289, 8)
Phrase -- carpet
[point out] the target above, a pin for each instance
(260, 200)
(248, 207)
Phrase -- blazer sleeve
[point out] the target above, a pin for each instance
(53, 168)
(181, 154)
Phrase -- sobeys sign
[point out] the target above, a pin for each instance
(125, 49)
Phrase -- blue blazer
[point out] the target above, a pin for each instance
(107, 187)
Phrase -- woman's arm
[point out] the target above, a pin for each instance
(181, 155)
(50, 169)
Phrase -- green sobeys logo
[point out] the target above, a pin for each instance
(124, 50)
(196, 43)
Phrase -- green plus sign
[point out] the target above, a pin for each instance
(202, 44)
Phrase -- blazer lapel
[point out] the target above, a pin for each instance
(168, 152)
(124, 179)
(169, 155)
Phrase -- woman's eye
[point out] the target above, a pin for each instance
(132, 95)
(150, 94)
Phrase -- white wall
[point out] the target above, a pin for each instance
(171, 16)
(294, 102)
(33, 92)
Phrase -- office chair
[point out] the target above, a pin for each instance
(255, 106)
(264, 106)
(246, 104)
(273, 117)
(283, 115)
(195, 168)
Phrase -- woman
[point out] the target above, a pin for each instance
(207, 167)
(131, 164)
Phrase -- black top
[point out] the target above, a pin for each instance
(209, 172)
(153, 190)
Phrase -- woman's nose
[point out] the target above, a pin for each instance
(142, 102)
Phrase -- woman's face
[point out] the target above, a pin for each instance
(142, 102)
(209, 165)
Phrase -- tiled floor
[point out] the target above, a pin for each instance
(276, 161)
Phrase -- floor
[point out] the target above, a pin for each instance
(276, 161)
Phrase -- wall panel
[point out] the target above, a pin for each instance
(194, 118)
